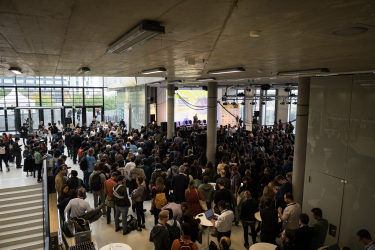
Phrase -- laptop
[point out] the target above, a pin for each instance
(209, 214)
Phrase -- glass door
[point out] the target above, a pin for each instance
(2, 120)
(34, 118)
(56, 115)
(47, 114)
(11, 120)
(69, 116)
(78, 115)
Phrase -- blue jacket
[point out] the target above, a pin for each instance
(287, 167)
(179, 184)
(90, 163)
(285, 188)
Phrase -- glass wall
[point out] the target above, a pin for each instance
(270, 108)
(292, 112)
(77, 93)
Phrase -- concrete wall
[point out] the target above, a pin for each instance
(340, 168)
(161, 105)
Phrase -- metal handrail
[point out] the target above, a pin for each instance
(46, 221)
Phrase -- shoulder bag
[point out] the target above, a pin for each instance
(202, 203)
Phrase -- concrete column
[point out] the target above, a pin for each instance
(248, 110)
(211, 121)
(301, 138)
(261, 108)
(282, 110)
(170, 114)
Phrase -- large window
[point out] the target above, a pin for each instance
(269, 107)
(292, 112)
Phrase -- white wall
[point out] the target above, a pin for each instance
(161, 104)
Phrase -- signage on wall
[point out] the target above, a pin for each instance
(230, 118)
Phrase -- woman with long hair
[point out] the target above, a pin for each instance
(187, 218)
(267, 193)
(192, 196)
(137, 196)
(209, 172)
(159, 188)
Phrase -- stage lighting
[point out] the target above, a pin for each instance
(282, 103)
(205, 88)
(225, 103)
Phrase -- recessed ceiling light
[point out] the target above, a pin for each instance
(83, 70)
(254, 33)
(225, 71)
(15, 70)
(205, 79)
(153, 71)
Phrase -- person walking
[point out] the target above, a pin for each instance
(4, 152)
(122, 204)
(28, 164)
(137, 196)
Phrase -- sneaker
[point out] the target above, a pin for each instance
(139, 229)
(118, 229)
(8, 169)
(143, 226)
(125, 233)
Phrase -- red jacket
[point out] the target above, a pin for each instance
(194, 207)
(108, 187)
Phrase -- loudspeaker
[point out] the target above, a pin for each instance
(265, 87)
(152, 118)
(163, 126)
(256, 113)
(201, 140)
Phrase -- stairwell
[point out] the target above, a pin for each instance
(21, 218)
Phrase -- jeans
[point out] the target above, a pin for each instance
(3, 158)
(75, 153)
(140, 213)
(100, 194)
(86, 176)
(54, 136)
(109, 214)
(70, 150)
(268, 237)
(246, 225)
(124, 212)
(38, 167)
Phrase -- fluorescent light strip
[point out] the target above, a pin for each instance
(304, 72)
(205, 79)
(153, 71)
(225, 71)
(15, 70)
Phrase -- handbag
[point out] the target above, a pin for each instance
(240, 197)
(199, 237)
(202, 203)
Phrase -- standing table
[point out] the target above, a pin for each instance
(208, 224)
(116, 246)
(263, 246)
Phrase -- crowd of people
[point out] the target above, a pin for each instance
(251, 176)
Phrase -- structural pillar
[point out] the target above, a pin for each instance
(248, 110)
(282, 110)
(170, 114)
(301, 138)
(211, 121)
(261, 108)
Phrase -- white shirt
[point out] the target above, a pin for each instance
(60, 127)
(224, 221)
(128, 167)
(370, 246)
(291, 215)
(77, 207)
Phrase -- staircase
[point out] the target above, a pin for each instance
(21, 218)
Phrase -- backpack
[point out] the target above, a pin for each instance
(2, 150)
(83, 164)
(96, 182)
(80, 151)
(144, 196)
(174, 231)
(186, 246)
(160, 200)
(131, 223)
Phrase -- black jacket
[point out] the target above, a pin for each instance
(76, 141)
(74, 182)
(304, 236)
(179, 184)
(68, 140)
(226, 183)
(270, 220)
(223, 194)
(121, 201)
(289, 247)
(54, 130)
(248, 209)
(160, 237)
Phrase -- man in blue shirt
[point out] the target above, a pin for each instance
(286, 187)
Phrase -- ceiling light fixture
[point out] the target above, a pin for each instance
(205, 79)
(15, 70)
(83, 70)
(142, 33)
(303, 72)
(153, 71)
(254, 33)
(175, 81)
(225, 71)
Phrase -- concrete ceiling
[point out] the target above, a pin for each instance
(56, 38)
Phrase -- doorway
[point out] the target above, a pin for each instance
(94, 111)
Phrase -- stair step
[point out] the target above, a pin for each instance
(16, 199)
(34, 245)
(9, 243)
(20, 225)
(15, 212)
(23, 217)
(27, 230)
(5, 194)
(16, 189)
(23, 204)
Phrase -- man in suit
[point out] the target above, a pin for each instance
(269, 227)
(304, 233)
(179, 184)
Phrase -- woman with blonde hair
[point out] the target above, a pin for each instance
(129, 157)
(267, 193)
(192, 196)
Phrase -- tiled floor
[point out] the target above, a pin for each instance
(105, 233)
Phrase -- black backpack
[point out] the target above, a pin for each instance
(83, 164)
(96, 182)
(174, 231)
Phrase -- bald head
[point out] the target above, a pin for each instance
(225, 243)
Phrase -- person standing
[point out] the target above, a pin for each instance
(224, 221)
(96, 184)
(59, 126)
(290, 216)
(159, 234)
(320, 229)
(122, 204)
(110, 200)
(4, 152)
(90, 167)
(159, 198)
(31, 122)
(179, 184)
(54, 131)
(269, 226)
(365, 237)
(185, 241)
(76, 144)
(17, 152)
(288, 237)
(23, 131)
(207, 191)
(137, 196)
(27, 160)
(248, 208)
(304, 233)
(79, 112)
(192, 197)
